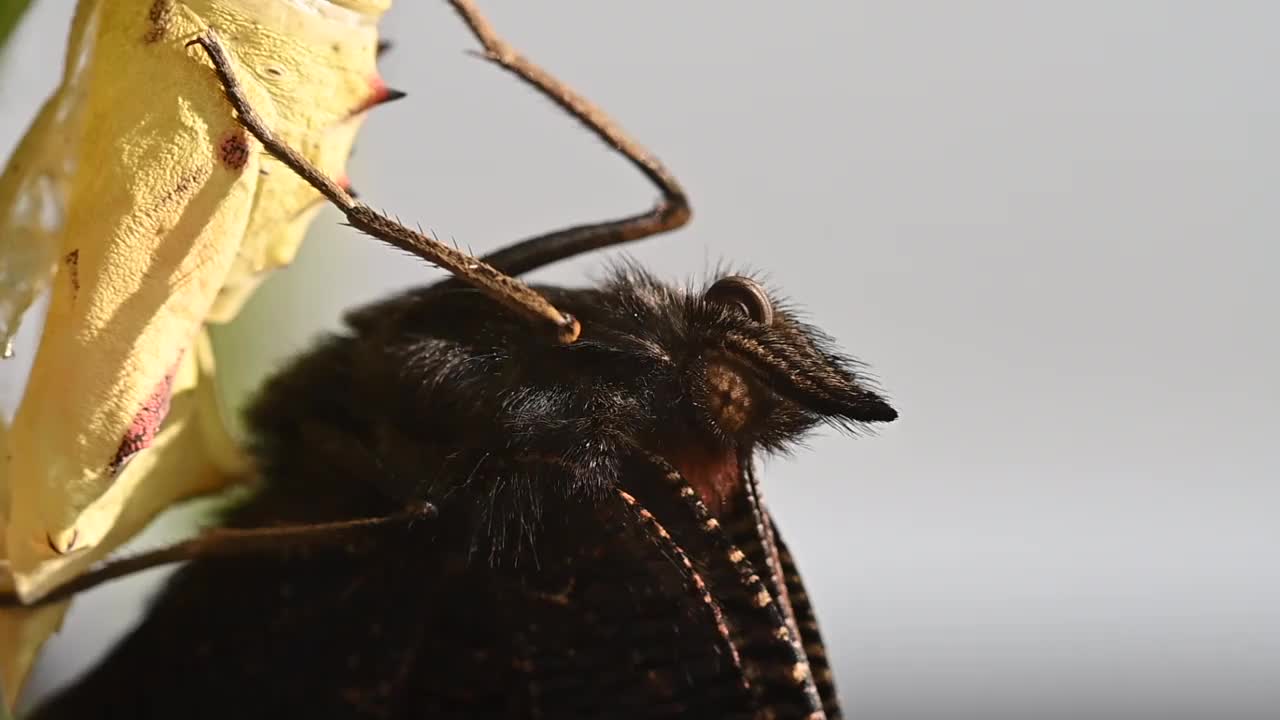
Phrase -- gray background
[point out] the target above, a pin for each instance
(1049, 227)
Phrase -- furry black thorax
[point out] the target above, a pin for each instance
(441, 394)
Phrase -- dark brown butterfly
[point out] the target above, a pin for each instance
(575, 528)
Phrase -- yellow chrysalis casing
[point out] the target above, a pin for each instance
(141, 205)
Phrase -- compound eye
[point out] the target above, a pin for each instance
(744, 295)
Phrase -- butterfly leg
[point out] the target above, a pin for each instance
(672, 210)
(510, 292)
(225, 542)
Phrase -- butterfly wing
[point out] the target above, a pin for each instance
(411, 622)
(327, 632)
(621, 626)
(810, 635)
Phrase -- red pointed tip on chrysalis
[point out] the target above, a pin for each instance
(344, 182)
(381, 94)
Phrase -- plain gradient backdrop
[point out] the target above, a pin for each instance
(1050, 228)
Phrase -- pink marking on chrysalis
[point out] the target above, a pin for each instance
(142, 431)
(160, 18)
(72, 261)
(234, 149)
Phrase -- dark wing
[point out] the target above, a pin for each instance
(624, 627)
(603, 622)
(780, 681)
(810, 635)
(327, 633)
